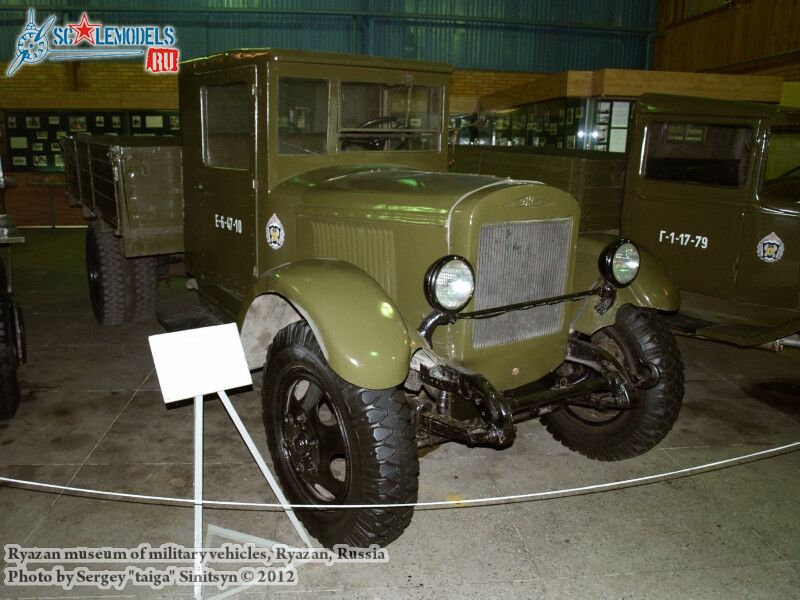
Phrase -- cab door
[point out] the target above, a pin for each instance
(769, 262)
(686, 195)
(769, 265)
(221, 190)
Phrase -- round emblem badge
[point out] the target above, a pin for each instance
(770, 248)
(275, 233)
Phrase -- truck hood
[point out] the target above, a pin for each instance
(381, 192)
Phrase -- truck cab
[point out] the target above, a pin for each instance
(256, 120)
(713, 190)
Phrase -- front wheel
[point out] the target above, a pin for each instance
(334, 443)
(609, 434)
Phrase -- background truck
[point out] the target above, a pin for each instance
(713, 190)
(391, 304)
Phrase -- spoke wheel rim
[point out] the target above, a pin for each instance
(313, 440)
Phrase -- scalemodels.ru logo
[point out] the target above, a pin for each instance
(85, 40)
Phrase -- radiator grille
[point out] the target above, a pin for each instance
(518, 262)
(369, 248)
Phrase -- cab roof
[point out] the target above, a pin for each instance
(706, 107)
(326, 58)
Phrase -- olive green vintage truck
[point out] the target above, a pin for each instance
(712, 189)
(391, 304)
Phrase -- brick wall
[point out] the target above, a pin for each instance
(478, 83)
(110, 84)
(46, 78)
(100, 84)
(129, 76)
(40, 199)
(126, 85)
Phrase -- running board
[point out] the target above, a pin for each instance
(185, 312)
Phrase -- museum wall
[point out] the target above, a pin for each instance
(745, 36)
(101, 84)
(126, 85)
(39, 198)
(478, 83)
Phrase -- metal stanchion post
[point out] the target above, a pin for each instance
(198, 493)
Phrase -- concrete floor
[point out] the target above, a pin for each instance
(92, 416)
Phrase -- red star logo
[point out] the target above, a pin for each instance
(83, 30)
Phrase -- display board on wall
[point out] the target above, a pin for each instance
(598, 124)
(151, 122)
(611, 118)
(31, 137)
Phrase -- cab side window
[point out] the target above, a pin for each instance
(697, 153)
(227, 125)
(302, 116)
(783, 157)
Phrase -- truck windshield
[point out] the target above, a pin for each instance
(379, 116)
(783, 157)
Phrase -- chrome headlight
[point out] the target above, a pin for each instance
(619, 263)
(449, 283)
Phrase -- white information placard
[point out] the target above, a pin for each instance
(620, 112)
(617, 140)
(199, 361)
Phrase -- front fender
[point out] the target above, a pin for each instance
(652, 288)
(364, 338)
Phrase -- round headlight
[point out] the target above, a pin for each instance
(619, 262)
(449, 283)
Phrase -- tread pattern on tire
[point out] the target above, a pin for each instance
(393, 447)
(9, 387)
(659, 407)
(387, 446)
(128, 286)
(110, 308)
(145, 288)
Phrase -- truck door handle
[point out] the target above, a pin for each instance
(199, 187)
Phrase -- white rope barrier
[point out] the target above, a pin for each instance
(423, 505)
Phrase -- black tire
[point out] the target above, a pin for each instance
(620, 434)
(371, 430)
(105, 271)
(9, 387)
(145, 288)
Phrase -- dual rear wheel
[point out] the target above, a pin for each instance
(122, 290)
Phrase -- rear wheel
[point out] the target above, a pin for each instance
(105, 271)
(121, 289)
(609, 434)
(334, 443)
(145, 288)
